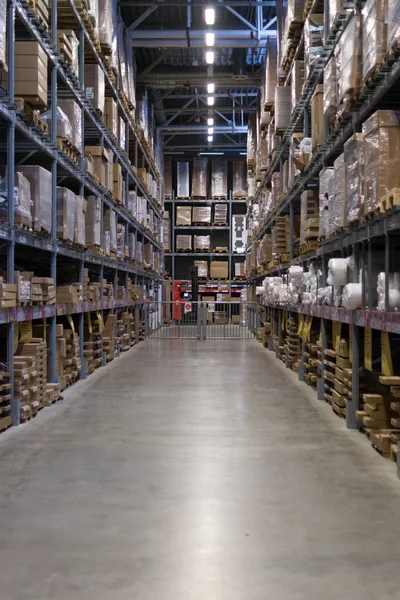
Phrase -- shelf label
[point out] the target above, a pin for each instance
(368, 348)
(301, 326)
(386, 355)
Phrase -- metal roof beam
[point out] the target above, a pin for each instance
(143, 17)
(172, 80)
(188, 103)
(182, 4)
(238, 15)
(205, 111)
(235, 94)
(180, 38)
(199, 129)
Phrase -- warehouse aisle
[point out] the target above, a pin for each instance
(193, 471)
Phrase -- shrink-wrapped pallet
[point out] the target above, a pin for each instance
(166, 232)
(239, 179)
(80, 220)
(22, 201)
(65, 214)
(330, 89)
(199, 182)
(275, 189)
(317, 117)
(251, 188)
(251, 141)
(299, 154)
(74, 114)
(393, 23)
(283, 107)
(270, 73)
(340, 197)
(348, 54)
(264, 158)
(394, 291)
(354, 162)
(3, 28)
(142, 115)
(202, 215)
(219, 179)
(202, 242)
(139, 253)
(183, 215)
(40, 182)
(294, 16)
(93, 221)
(110, 224)
(221, 214)
(374, 34)
(382, 156)
(202, 268)
(130, 69)
(105, 24)
(335, 7)
(183, 242)
(182, 180)
(313, 41)
(168, 177)
(326, 178)
(297, 81)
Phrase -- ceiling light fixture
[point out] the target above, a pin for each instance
(210, 121)
(210, 38)
(211, 154)
(210, 100)
(210, 88)
(209, 138)
(209, 16)
(210, 57)
(211, 130)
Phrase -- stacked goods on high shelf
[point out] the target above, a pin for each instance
(202, 268)
(183, 190)
(219, 269)
(166, 236)
(201, 243)
(199, 182)
(220, 214)
(183, 216)
(201, 215)
(239, 234)
(183, 243)
(239, 180)
(219, 179)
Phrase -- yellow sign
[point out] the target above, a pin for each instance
(89, 318)
(386, 355)
(307, 328)
(101, 322)
(301, 325)
(71, 322)
(368, 348)
(25, 329)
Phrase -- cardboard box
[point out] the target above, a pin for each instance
(111, 115)
(219, 269)
(74, 114)
(183, 215)
(99, 156)
(317, 117)
(94, 86)
(65, 214)
(109, 170)
(40, 181)
(117, 182)
(93, 221)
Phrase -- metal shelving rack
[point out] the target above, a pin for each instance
(360, 239)
(230, 256)
(22, 137)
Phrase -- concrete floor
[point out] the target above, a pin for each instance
(195, 471)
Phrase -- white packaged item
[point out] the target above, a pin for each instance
(352, 296)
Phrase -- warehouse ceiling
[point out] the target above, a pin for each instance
(168, 38)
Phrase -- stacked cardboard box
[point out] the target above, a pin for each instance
(111, 115)
(51, 394)
(183, 242)
(309, 216)
(221, 214)
(183, 215)
(109, 337)
(92, 342)
(69, 293)
(35, 349)
(108, 290)
(202, 242)
(8, 294)
(202, 215)
(219, 269)
(66, 200)
(219, 180)
(279, 236)
(5, 401)
(73, 112)
(25, 375)
(68, 357)
(43, 290)
(40, 181)
(94, 87)
(202, 268)
(93, 292)
(31, 73)
(93, 221)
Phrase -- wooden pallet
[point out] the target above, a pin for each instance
(199, 198)
(183, 198)
(202, 250)
(96, 250)
(219, 197)
(390, 200)
(68, 149)
(224, 224)
(220, 250)
(308, 247)
(183, 250)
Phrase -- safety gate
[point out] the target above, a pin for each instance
(201, 320)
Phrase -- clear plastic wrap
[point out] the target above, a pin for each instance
(263, 155)
(122, 66)
(354, 163)
(340, 197)
(166, 232)
(294, 14)
(202, 268)
(40, 181)
(168, 177)
(338, 270)
(374, 34)
(202, 215)
(122, 133)
(283, 107)
(335, 7)
(183, 242)
(326, 177)
(394, 291)
(120, 241)
(298, 158)
(131, 88)
(107, 242)
(64, 129)
(132, 245)
(251, 188)
(330, 89)
(348, 54)
(74, 114)
(182, 180)
(275, 188)
(317, 117)
(142, 115)
(93, 221)
(239, 179)
(3, 28)
(22, 201)
(270, 73)
(382, 156)
(139, 253)
(352, 296)
(219, 179)
(111, 115)
(313, 41)
(251, 141)
(220, 214)
(105, 23)
(110, 224)
(80, 220)
(202, 242)
(184, 215)
(199, 182)
(393, 23)
(297, 81)
(65, 214)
